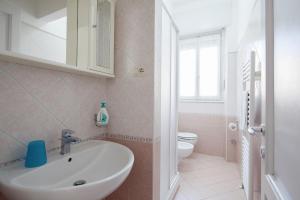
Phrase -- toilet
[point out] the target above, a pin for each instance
(184, 149)
(187, 137)
(185, 144)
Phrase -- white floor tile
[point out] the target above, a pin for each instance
(209, 178)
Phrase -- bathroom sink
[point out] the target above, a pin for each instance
(92, 170)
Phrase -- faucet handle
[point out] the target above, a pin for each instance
(67, 132)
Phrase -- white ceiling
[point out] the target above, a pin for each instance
(195, 16)
(179, 3)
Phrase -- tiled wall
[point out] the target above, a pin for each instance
(2, 197)
(214, 136)
(138, 185)
(232, 141)
(131, 96)
(38, 103)
(211, 131)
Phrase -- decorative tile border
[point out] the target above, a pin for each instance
(128, 138)
(6, 164)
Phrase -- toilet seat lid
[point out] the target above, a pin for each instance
(187, 135)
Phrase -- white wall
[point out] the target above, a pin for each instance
(202, 108)
(231, 86)
(241, 20)
(169, 5)
(201, 16)
(194, 17)
(38, 43)
(244, 9)
(41, 37)
(46, 7)
(27, 5)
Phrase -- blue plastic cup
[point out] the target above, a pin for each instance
(36, 154)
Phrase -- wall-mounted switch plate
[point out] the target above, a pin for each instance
(139, 71)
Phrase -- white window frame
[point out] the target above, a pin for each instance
(197, 98)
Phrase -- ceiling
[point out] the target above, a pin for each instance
(178, 4)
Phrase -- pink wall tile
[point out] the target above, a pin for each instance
(211, 131)
(2, 197)
(138, 185)
(131, 98)
(231, 141)
(38, 103)
(156, 168)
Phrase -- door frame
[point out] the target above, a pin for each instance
(169, 183)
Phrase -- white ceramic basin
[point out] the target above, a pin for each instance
(103, 165)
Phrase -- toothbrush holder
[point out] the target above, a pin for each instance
(36, 154)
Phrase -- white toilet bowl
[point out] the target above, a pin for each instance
(187, 137)
(184, 149)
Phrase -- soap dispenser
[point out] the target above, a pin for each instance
(102, 116)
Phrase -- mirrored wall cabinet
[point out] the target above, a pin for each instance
(96, 35)
(67, 35)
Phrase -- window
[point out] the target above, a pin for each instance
(200, 68)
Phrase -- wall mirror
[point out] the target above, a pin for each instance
(78, 33)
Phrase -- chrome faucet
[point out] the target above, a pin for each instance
(66, 140)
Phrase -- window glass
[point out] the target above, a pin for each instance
(188, 72)
(200, 68)
(209, 71)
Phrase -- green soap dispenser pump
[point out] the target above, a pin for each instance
(102, 117)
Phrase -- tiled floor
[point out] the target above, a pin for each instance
(209, 178)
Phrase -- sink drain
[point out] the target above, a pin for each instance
(79, 182)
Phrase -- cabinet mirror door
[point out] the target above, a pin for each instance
(96, 35)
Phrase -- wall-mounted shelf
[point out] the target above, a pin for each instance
(51, 65)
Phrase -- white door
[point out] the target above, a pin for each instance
(267, 143)
(173, 109)
(269, 190)
(281, 102)
(4, 31)
(281, 174)
(165, 106)
(168, 161)
(261, 39)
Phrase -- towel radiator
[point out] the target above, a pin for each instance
(248, 77)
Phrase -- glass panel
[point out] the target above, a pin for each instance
(35, 28)
(188, 72)
(4, 31)
(209, 70)
(103, 34)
